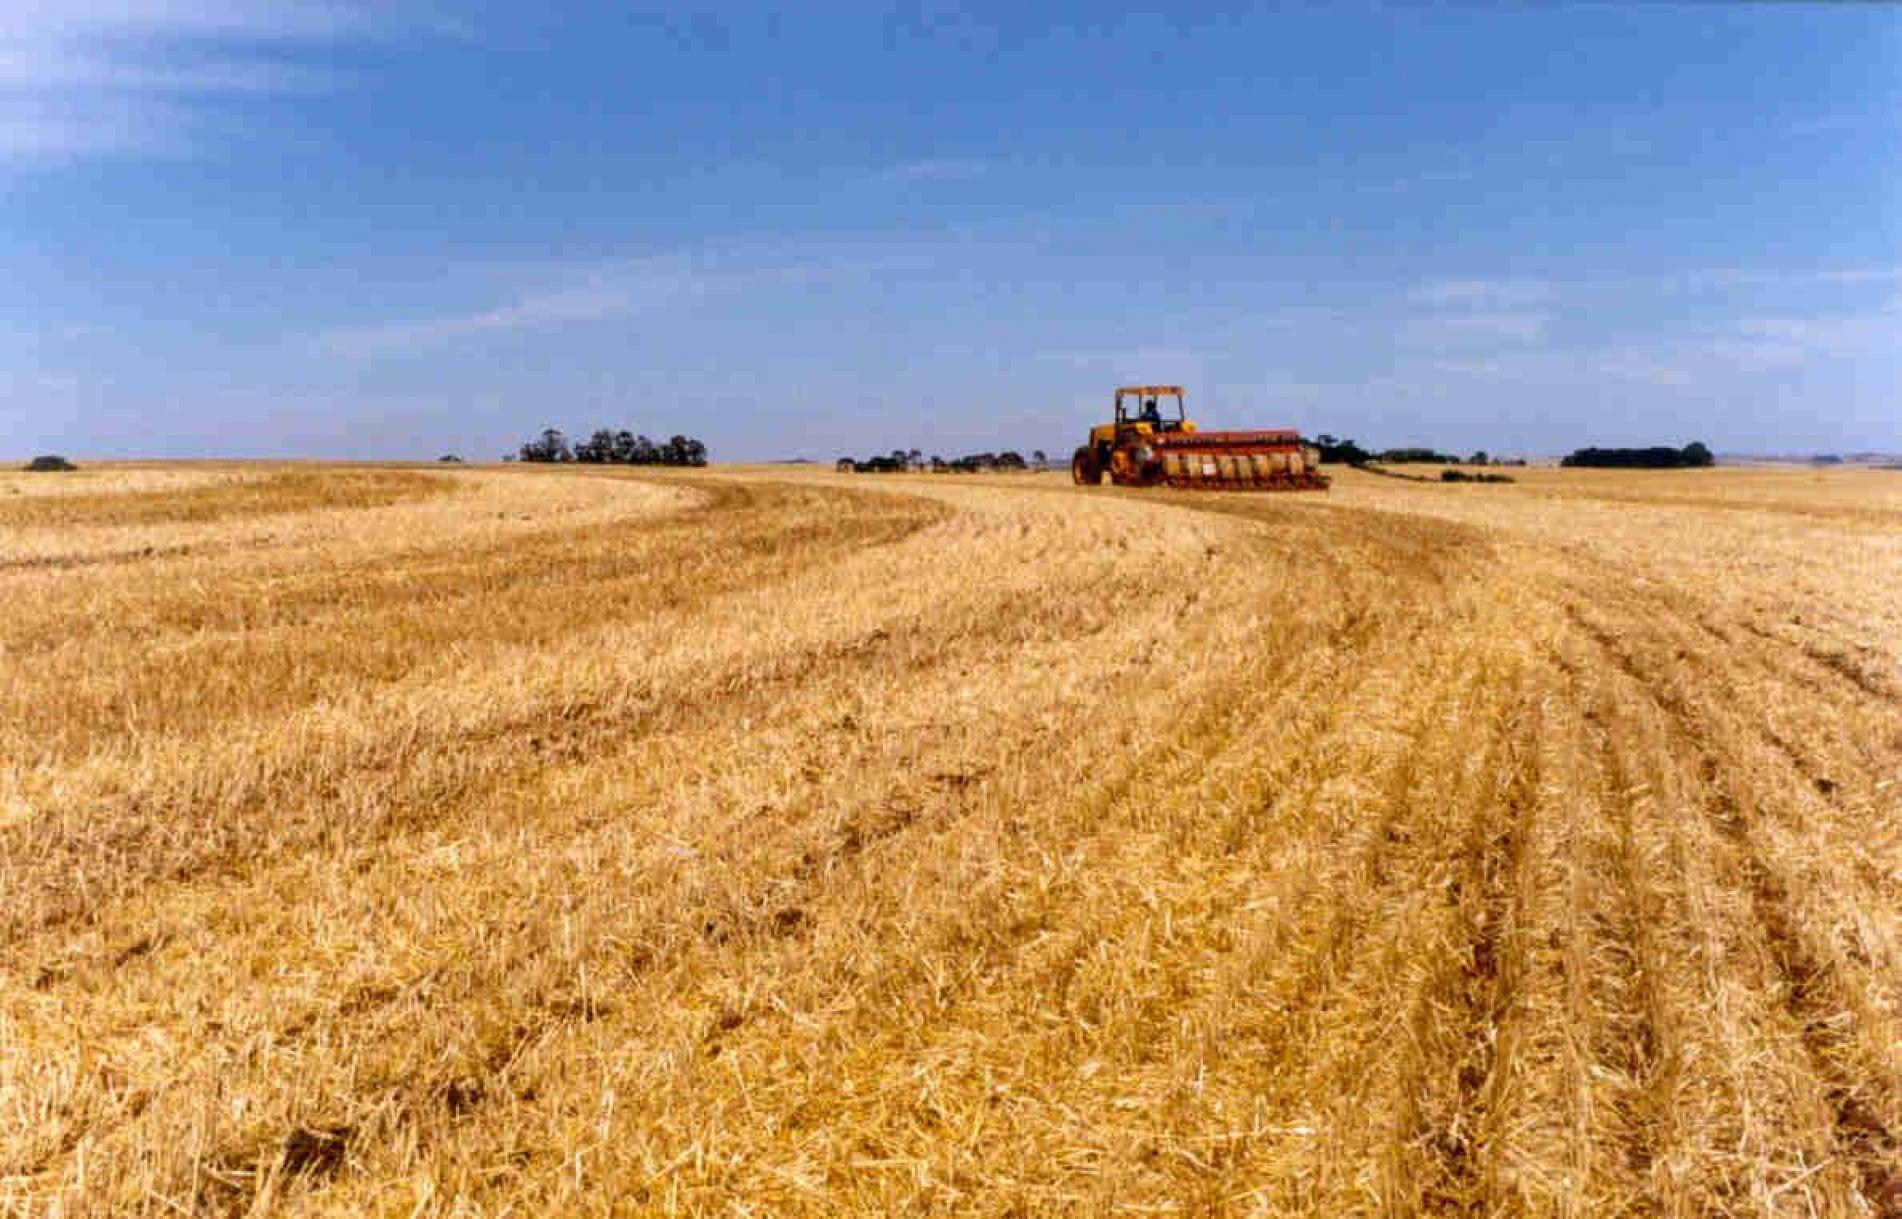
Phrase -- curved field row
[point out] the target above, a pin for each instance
(808, 845)
(236, 496)
(264, 523)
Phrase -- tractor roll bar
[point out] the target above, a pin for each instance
(1140, 392)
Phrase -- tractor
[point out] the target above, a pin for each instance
(1148, 444)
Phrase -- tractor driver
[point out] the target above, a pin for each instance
(1151, 414)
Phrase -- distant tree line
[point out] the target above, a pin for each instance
(1348, 453)
(904, 461)
(1417, 457)
(1339, 452)
(1658, 457)
(49, 463)
(608, 447)
(1446, 476)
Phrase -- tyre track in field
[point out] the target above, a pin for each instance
(1386, 857)
(1191, 750)
(1634, 1035)
(440, 613)
(1476, 855)
(1632, 1030)
(564, 734)
(462, 1099)
(1375, 849)
(908, 644)
(307, 598)
(1461, 1016)
(1267, 815)
(1808, 982)
(1837, 758)
(1469, 1004)
(421, 1108)
(1307, 973)
(575, 740)
(273, 504)
(1787, 663)
(1202, 744)
(1805, 980)
(1487, 890)
(145, 847)
(1849, 669)
(274, 494)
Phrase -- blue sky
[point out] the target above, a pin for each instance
(258, 228)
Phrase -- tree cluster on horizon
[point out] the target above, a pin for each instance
(609, 447)
(1693, 456)
(1348, 452)
(901, 461)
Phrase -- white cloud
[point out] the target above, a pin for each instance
(529, 312)
(136, 77)
(936, 169)
(44, 128)
(1131, 364)
(1466, 313)
(600, 293)
(1746, 347)
(1834, 124)
(1502, 327)
(592, 296)
(1479, 293)
(1426, 178)
(1742, 276)
(1506, 366)
(33, 71)
(1840, 334)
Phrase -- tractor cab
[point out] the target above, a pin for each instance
(1145, 406)
(1142, 410)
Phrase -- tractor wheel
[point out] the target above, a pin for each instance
(1083, 468)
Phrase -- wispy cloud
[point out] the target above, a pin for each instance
(1838, 333)
(263, 19)
(1837, 124)
(600, 293)
(1422, 180)
(1464, 313)
(1458, 328)
(527, 313)
(1749, 347)
(1750, 276)
(1666, 365)
(140, 76)
(1480, 293)
(936, 169)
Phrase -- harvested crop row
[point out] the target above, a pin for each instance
(962, 846)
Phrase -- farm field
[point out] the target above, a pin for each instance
(764, 841)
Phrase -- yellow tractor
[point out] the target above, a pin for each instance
(1150, 445)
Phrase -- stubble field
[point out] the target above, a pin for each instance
(769, 842)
